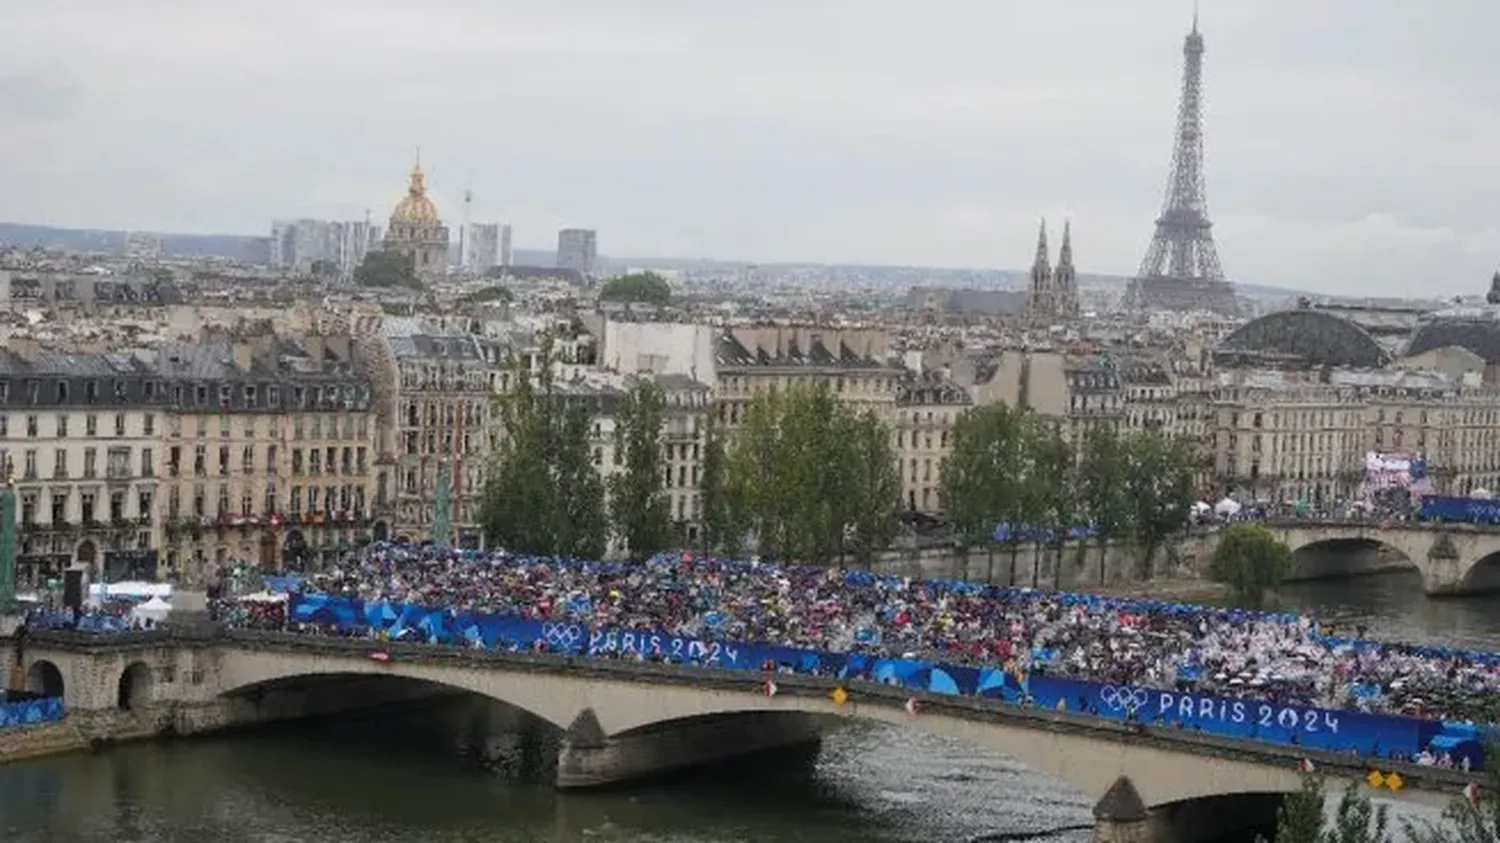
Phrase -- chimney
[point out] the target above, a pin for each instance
(244, 355)
(26, 348)
(312, 345)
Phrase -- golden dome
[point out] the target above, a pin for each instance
(416, 207)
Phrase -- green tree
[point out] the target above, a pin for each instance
(581, 526)
(867, 465)
(324, 268)
(638, 503)
(808, 477)
(388, 269)
(718, 528)
(1300, 817)
(1051, 494)
(492, 293)
(1102, 475)
(1159, 488)
(542, 493)
(1251, 561)
(520, 498)
(1357, 820)
(641, 287)
(979, 482)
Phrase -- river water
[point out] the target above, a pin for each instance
(451, 771)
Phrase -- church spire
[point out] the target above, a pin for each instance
(1065, 278)
(1043, 259)
(1041, 299)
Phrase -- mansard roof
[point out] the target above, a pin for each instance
(930, 389)
(186, 377)
(733, 353)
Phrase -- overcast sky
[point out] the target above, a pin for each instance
(1353, 145)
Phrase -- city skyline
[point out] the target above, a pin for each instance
(1355, 164)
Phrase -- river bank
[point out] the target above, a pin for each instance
(24, 743)
(1171, 589)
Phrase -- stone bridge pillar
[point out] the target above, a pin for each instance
(1443, 565)
(1121, 815)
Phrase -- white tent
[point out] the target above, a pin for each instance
(1200, 508)
(100, 592)
(154, 610)
(1227, 507)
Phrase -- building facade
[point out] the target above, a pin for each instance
(688, 404)
(926, 408)
(851, 363)
(79, 434)
(267, 453)
(434, 393)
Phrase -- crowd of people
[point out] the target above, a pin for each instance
(1281, 658)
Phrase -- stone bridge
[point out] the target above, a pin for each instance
(625, 720)
(1453, 559)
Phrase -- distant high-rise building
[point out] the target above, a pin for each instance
(283, 244)
(505, 255)
(143, 244)
(482, 246)
(298, 244)
(576, 249)
(353, 241)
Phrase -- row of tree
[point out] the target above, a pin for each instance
(806, 477)
(1011, 477)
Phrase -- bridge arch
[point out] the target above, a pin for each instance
(1039, 750)
(45, 678)
(1338, 557)
(1238, 816)
(1482, 576)
(267, 680)
(135, 688)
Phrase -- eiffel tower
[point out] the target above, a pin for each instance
(1181, 270)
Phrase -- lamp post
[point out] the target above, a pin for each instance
(443, 506)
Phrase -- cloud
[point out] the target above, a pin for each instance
(838, 130)
(37, 94)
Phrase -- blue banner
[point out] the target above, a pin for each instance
(31, 712)
(1384, 736)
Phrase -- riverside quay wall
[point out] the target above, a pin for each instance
(622, 720)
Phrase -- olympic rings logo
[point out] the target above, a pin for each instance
(1124, 698)
(561, 635)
